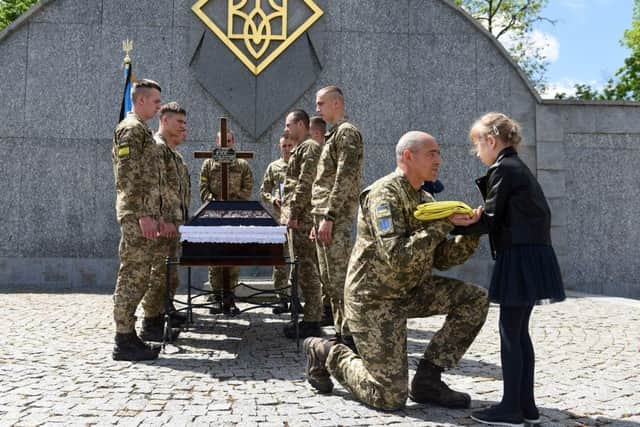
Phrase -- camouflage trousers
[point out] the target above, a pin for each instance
(153, 303)
(137, 256)
(308, 277)
(379, 375)
(215, 277)
(333, 260)
(280, 276)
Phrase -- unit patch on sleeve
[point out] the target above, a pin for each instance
(384, 222)
(123, 151)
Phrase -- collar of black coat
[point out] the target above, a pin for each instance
(505, 152)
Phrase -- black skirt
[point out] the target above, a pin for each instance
(526, 275)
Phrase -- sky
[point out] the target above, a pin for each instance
(584, 43)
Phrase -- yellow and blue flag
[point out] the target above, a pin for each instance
(126, 96)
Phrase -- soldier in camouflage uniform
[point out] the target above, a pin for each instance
(296, 214)
(271, 193)
(138, 183)
(240, 184)
(335, 200)
(389, 280)
(317, 130)
(176, 197)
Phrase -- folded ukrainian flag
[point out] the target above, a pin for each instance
(438, 210)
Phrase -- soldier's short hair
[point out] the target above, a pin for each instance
(333, 91)
(142, 87)
(172, 108)
(299, 115)
(411, 141)
(317, 122)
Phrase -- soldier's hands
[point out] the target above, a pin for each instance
(168, 229)
(325, 231)
(463, 220)
(292, 223)
(149, 227)
(312, 234)
(277, 203)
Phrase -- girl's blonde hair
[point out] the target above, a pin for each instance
(499, 125)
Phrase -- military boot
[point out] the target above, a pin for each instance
(153, 329)
(427, 387)
(130, 347)
(305, 329)
(349, 342)
(327, 316)
(177, 318)
(317, 351)
(282, 307)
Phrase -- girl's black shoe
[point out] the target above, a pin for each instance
(497, 416)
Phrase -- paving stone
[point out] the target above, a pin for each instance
(241, 371)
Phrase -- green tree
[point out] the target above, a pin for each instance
(625, 85)
(11, 9)
(512, 23)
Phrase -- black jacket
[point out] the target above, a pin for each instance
(516, 210)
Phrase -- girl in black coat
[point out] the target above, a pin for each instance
(518, 220)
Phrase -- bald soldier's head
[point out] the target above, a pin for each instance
(330, 104)
(418, 156)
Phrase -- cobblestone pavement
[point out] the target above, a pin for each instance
(56, 369)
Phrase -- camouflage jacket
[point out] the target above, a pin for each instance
(136, 169)
(176, 194)
(240, 180)
(337, 184)
(272, 183)
(301, 172)
(395, 252)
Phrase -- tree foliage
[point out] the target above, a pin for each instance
(625, 85)
(512, 23)
(12, 9)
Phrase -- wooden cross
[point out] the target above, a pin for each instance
(225, 155)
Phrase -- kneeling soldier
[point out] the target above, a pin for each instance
(389, 280)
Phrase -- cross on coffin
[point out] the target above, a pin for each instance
(225, 155)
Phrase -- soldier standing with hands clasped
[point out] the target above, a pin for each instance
(176, 197)
(240, 186)
(271, 193)
(138, 183)
(335, 200)
(296, 215)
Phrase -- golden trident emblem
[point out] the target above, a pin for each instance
(258, 29)
(127, 46)
(257, 25)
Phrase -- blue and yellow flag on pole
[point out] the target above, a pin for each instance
(126, 106)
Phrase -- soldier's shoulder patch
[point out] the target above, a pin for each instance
(123, 150)
(385, 225)
(384, 221)
(383, 210)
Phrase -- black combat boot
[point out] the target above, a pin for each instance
(427, 387)
(305, 329)
(130, 347)
(327, 316)
(282, 307)
(317, 351)
(153, 329)
(178, 319)
(349, 342)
